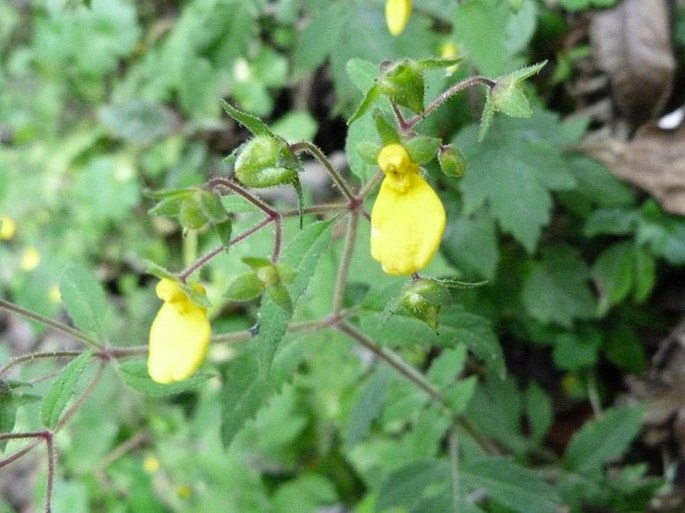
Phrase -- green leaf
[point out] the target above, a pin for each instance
(511, 485)
(363, 74)
(362, 131)
(457, 326)
(302, 254)
(84, 299)
(601, 440)
(55, 401)
(10, 401)
(245, 391)
(386, 130)
(134, 373)
(556, 287)
(577, 350)
(407, 486)
(278, 293)
(255, 125)
(514, 175)
(211, 206)
(366, 103)
(614, 272)
(367, 407)
(480, 29)
(470, 242)
(137, 121)
(539, 410)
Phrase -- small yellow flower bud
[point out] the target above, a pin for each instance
(397, 15)
(30, 259)
(151, 464)
(7, 227)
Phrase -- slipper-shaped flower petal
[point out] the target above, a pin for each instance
(179, 335)
(408, 218)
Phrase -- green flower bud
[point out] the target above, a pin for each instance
(424, 298)
(244, 287)
(452, 161)
(191, 215)
(422, 149)
(403, 83)
(267, 161)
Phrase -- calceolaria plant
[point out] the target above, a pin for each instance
(387, 225)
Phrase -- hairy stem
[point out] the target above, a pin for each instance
(443, 97)
(72, 332)
(203, 260)
(315, 152)
(392, 359)
(345, 260)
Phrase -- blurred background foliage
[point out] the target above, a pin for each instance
(101, 101)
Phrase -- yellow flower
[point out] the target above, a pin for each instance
(397, 15)
(179, 335)
(408, 219)
(30, 259)
(7, 227)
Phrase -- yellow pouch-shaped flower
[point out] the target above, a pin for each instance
(397, 15)
(179, 335)
(408, 218)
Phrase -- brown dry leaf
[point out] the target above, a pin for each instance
(632, 44)
(653, 160)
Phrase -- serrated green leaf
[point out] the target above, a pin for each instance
(64, 386)
(556, 288)
(367, 407)
(157, 270)
(614, 273)
(366, 103)
(302, 254)
(255, 125)
(407, 486)
(514, 174)
(363, 130)
(457, 326)
(603, 439)
(511, 485)
(85, 301)
(245, 391)
(135, 375)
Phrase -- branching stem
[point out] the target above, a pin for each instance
(316, 152)
(68, 330)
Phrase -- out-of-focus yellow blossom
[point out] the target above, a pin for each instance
(184, 492)
(408, 218)
(7, 227)
(151, 464)
(30, 259)
(179, 335)
(397, 15)
(54, 294)
(447, 51)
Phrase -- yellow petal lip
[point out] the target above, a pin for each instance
(406, 226)
(179, 336)
(397, 15)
